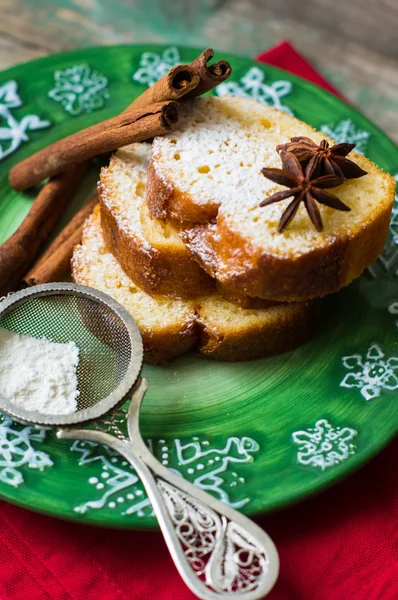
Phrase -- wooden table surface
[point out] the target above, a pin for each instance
(353, 42)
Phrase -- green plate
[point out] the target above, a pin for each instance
(258, 435)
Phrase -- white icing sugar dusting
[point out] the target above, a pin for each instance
(218, 150)
(37, 374)
(127, 173)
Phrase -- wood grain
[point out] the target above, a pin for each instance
(353, 43)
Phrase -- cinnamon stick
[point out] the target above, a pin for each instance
(178, 82)
(53, 198)
(186, 81)
(134, 126)
(181, 82)
(209, 75)
(54, 262)
(19, 251)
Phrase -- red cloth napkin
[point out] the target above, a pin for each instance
(340, 545)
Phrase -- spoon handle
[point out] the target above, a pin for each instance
(219, 553)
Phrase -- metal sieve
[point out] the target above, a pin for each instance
(219, 552)
(109, 342)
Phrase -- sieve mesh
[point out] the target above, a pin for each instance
(100, 332)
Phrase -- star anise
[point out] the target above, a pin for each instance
(303, 187)
(327, 160)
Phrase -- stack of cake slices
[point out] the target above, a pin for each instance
(179, 237)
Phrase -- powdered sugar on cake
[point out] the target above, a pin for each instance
(129, 183)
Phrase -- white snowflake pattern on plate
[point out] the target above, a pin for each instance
(116, 476)
(13, 132)
(214, 462)
(17, 450)
(80, 89)
(346, 132)
(323, 445)
(153, 65)
(252, 85)
(207, 466)
(372, 374)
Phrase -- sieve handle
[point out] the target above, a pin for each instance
(219, 553)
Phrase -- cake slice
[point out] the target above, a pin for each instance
(218, 328)
(207, 175)
(150, 251)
